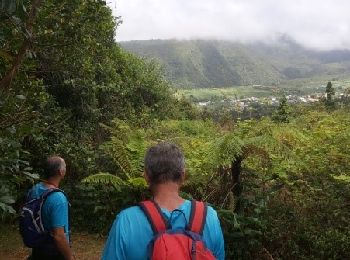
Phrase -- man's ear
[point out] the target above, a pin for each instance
(146, 177)
(62, 172)
(183, 177)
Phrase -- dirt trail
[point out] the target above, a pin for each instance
(85, 246)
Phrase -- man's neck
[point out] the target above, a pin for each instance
(52, 182)
(166, 195)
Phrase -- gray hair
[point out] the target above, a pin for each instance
(164, 162)
(54, 164)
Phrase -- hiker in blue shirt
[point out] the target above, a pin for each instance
(131, 232)
(54, 213)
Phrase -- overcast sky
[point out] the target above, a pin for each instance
(322, 24)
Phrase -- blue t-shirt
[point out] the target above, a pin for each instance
(131, 233)
(55, 208)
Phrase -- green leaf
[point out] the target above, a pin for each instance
(21, 97)
(5, 55)
(6, 208)
(7, 199)
(32, 175)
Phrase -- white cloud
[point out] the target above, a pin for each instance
(322, 24)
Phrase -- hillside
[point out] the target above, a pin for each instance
(208, 63)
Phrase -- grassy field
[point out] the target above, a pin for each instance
(85, 246)
(204, 94)
(296, 87)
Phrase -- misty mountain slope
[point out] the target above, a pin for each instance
(183, 62)
(209, 63)
(216, 67)
(252, 67)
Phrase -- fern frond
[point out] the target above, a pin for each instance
(105, 178)
(120, 157)
(225, 149)
(138, 182)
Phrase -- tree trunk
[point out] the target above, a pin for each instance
(236, 168)
(11, 73)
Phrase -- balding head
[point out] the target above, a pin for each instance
(55, 165)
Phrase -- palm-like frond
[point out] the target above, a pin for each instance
(105, 178)
(117, 182)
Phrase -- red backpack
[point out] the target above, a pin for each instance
(185, 243)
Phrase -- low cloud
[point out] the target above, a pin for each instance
(320, 24)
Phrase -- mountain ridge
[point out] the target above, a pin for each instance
(214, 63)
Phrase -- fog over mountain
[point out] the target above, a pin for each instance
(317, 24)
(212, 63)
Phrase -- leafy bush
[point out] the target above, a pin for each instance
(94, 206)
(292, 195)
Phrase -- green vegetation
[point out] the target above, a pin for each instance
(71, 83)
(293, 87)
(282, 113)
(206, 94)
(329, 101)
(281, 186)
(205, 63)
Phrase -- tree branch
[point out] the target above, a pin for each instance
(11, 73)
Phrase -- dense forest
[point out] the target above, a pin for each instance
(209, 63)
(280, 183)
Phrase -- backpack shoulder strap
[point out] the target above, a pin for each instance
(198, 216)
(154, 215)
(50, 191)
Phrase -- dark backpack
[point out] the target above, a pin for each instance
(185, 243)
(31, 226)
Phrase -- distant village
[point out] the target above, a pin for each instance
(272, 100)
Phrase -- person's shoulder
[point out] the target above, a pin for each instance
(130, 212)
(57, 197)
(130, 217)
(211, 213)
(37, 186)
(35, 191)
